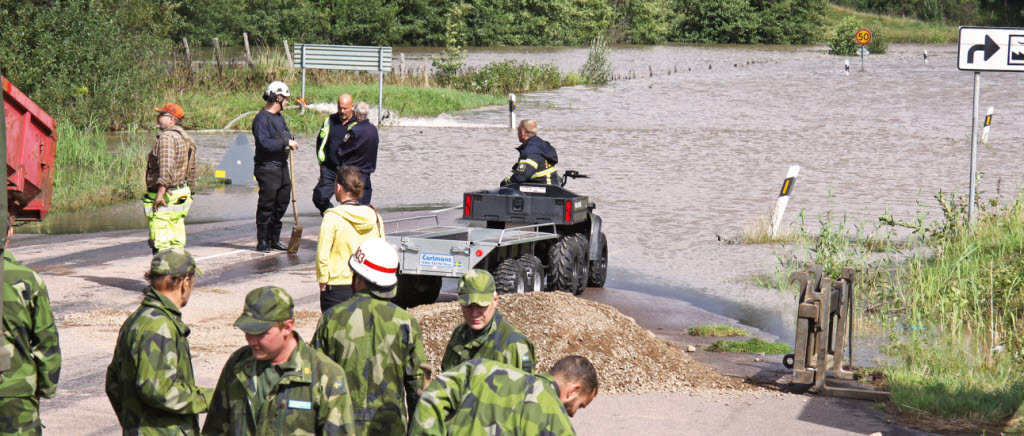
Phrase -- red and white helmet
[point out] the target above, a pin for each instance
(376, 261)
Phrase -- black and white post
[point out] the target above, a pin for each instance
(780, 204)
(512, 111)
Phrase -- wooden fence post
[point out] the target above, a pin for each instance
(248, 55)
(188, 53)
(216, 55)
(288, 55)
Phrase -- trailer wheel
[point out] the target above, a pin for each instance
(562, 269)
(415, 290)
(510, 277)
(599, 266)
(535, 276)
(581, 264)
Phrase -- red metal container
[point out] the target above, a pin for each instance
(31, 150)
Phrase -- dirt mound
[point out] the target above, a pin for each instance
(628, 358)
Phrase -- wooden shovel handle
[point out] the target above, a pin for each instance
(291, 174)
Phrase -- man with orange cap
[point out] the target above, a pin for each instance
(170, 167)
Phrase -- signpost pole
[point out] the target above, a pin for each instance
(862, 58)
(974, 148)
(380, 83)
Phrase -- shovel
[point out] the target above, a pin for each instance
(293, 243)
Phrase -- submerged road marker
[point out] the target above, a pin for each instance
(780, 204)
(988, 123)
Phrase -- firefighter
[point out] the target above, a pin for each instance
(334, 132)
(537, 158)
(273, 142)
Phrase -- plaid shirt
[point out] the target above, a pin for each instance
(172, 161)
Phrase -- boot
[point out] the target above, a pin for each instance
(262, 244)
(274, 237)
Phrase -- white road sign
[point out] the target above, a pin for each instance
(990, 49)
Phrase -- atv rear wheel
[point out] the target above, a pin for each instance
(535, 276)
(581, 264)
(599, 266)
(414, 290)
(562, 267)
(510, 277)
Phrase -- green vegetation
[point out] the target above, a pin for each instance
(956, 12)
(843, 43)
(752, 346)
(598, 68)
(958, 288)
(717, 330)
(94, 175)
(750, 22)
(899, 29)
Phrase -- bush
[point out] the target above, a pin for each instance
(843, 42)
(598, 68)
(508, 77)
(87, 61)
(749, 22)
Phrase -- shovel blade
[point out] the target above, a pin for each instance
(293, 243)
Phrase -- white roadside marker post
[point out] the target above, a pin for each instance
(780, 204)
(988, 123)
(512, 111)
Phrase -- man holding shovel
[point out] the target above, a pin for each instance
(274, 144)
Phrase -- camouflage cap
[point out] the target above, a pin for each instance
(264, 308)
(173, 261)
(476, 287)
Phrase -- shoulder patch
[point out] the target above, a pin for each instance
(520, 168)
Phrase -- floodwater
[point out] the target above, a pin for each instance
(675, 159)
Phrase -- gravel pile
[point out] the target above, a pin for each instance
(628, 358)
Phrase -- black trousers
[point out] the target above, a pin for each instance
(275, 188)
(367, 190)
(324, 190)
(334, 294)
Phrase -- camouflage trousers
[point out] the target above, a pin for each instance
(20, 416)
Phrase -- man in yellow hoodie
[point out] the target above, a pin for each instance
(344, 227)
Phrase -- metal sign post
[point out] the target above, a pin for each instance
(863, 37)
(986, 49)
(345, 57)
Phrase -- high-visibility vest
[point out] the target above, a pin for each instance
(324, 131)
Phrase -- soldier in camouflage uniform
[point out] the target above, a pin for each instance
(484, 397)
(30, 337)
(150, 382)
(277, 384)
(485, 334)
(378, 344)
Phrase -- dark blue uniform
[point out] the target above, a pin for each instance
(360, 150)
(271, 172)
(537, 159)
(328, 144)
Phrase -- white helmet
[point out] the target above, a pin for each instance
(276, 87)
(376, 261)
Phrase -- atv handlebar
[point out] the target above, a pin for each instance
(573, 174)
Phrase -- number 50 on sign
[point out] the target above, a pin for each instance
(863, 36)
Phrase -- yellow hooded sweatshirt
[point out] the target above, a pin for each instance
(343, 229)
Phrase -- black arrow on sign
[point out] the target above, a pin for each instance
(989, 47)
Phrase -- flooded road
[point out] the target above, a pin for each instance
(677, 158)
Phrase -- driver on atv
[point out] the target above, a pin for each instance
(537, 158)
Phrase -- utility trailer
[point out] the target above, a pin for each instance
(531, 237)
(426, 255)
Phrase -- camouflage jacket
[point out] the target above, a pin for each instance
(484, 397)
(499, 341)
(310, 398)
(380, 347)
(150, 382)
(30, 335)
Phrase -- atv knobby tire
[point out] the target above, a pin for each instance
(582, 265)
(535, 277)
(567, 262)
(599, 266)
(415, 290)
(510, 277)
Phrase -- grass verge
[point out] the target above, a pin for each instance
(752, 345)
(717, 330)
(898, 29)
(89, 173)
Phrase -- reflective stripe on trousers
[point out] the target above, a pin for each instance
(167, 224)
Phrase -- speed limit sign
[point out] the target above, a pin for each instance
(863, 36)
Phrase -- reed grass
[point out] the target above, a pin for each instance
(717, 330)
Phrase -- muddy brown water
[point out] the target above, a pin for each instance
(675, 159)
